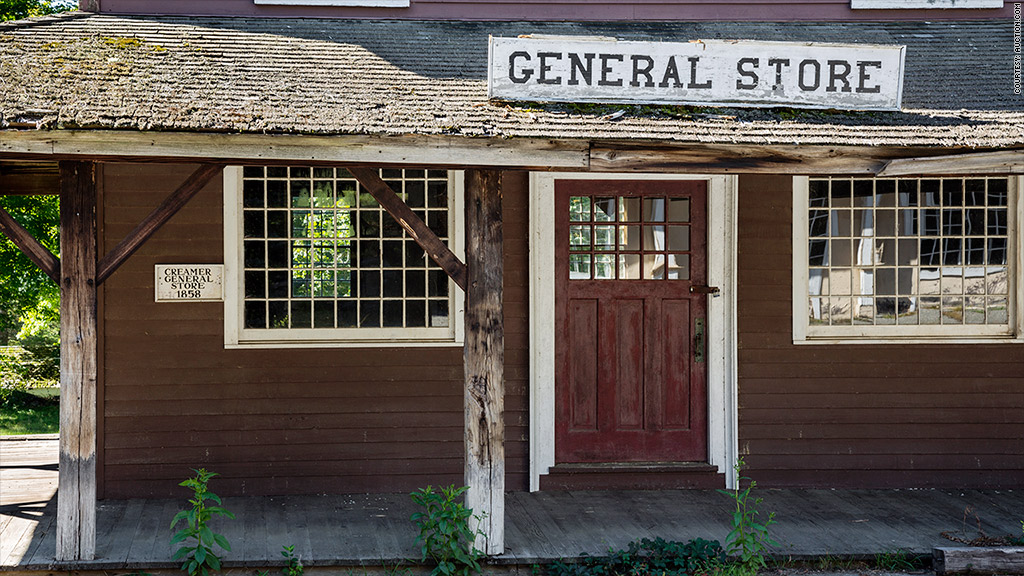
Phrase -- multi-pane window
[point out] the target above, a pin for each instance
(629, 238)
(913, 257)
(320, 259)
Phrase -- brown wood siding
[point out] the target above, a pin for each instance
(861, 415)
(276, 421)
(572, 10)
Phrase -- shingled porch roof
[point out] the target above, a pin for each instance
(370, 77)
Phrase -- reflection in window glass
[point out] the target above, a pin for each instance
(629, 238)
(324, 253)
(907, 252)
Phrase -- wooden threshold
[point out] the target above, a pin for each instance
(632, 476)
(637, 467)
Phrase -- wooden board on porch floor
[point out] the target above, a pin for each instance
(347, 530)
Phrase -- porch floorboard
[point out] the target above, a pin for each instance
(374, 529)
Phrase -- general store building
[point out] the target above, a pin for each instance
(415, 284)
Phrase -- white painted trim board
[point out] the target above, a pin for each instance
(723, 444)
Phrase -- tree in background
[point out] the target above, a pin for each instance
(17, 9)
(29, 299)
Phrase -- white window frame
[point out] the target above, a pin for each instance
(236, 336)
(923, 4)
(881, 334)
(360, 3)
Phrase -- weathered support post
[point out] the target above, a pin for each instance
(76, 492)
(484, 356)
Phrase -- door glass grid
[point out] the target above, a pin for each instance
(629, 238)
(319, 252)
(911, 252)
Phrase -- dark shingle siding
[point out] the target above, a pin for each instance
(404, 77)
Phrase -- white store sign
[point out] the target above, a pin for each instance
(189, 282)
(704, 73)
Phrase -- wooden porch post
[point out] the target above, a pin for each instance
(484, 359)
(76, 495)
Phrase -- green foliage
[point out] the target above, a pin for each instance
(445, 535)
(1017, 540)
(293, 565)
(659, 556)
(17, 9)
(748, 540)
(199, 558)
(898, 561)
(830, 563)
(27, 295)
(23, 412)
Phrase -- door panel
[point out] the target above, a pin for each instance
(676, 342)
(628, 388)
(584, 383)
(629, 374)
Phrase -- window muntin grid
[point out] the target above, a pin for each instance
(320, 255)
(629, 238)
(911, 254)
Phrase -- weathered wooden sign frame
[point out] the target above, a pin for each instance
(189, 282)
(704, 73)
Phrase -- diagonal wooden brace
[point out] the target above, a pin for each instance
(31, 247)
(407, 219)
(156, 219)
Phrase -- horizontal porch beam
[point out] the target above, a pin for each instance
(462, 152)
(751, 159)
(1002, 162)
(413, 225)
(261, 149)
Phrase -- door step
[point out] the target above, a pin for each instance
(632, 476)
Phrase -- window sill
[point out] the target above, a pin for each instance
(924, 4)
(914, 340)
(265, 345)
(360, 3)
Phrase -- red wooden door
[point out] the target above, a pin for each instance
(630, 384)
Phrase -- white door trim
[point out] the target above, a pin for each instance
(723, 445)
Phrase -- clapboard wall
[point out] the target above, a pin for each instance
(861, 415)
(277, 421)
(342, 420)
(572, 10)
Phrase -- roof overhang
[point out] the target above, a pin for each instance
(290, 81)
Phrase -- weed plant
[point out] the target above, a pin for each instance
(292, 563)
(446, 537)
(199, 558)
(898, 561)
(748, 541)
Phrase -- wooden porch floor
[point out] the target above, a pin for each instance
(364, 529)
